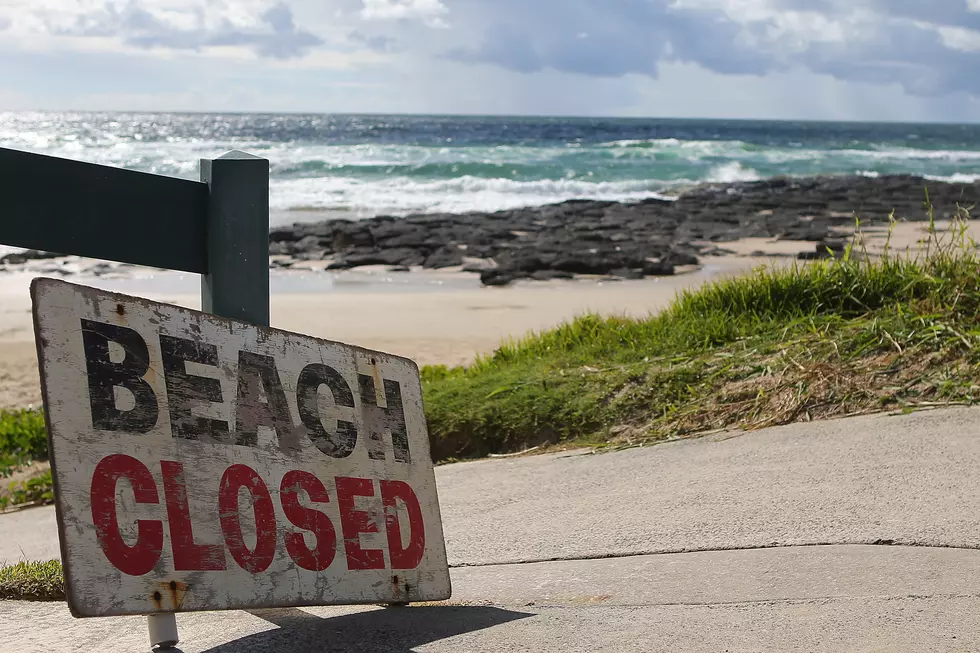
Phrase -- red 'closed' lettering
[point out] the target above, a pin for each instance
(188, 555)
(407, 557)
(304, 499)
(354, 522)
(235, 478)
(140, 558)
(320, 557)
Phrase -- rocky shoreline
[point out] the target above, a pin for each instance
(624, 240)
(633, 240)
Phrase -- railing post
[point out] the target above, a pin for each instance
(236, 284)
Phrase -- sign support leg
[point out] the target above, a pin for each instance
(236, 285)
(163, 630)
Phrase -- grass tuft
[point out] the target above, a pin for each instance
(23, 452)
(829, 338)
(33, 581)
(23, 439)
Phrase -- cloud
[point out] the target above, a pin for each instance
(609, 38)
(430, 12)
(926, 48)
(271, 33)
(894, 59)
(376, 43)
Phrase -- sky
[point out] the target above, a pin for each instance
(907, 60)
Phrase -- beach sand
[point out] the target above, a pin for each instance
(437, 318)
(431, 326)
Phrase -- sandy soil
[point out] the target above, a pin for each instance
(430, 326)
(450, 326)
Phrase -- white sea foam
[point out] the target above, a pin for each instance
(731, 172)
(401, 195)
(382, 175)
(692, 150)
(909, 153)
(956, 178)
(645, 142)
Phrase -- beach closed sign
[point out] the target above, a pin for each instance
(206, 464)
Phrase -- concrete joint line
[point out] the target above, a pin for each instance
(637, 554)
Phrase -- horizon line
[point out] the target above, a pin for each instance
(498, 115)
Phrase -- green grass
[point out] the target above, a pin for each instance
(22, 439)
(825, 339)
(33, 581)
(37, 490)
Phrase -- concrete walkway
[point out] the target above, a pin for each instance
(856, 534)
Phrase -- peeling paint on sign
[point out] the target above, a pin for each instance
(206, 464)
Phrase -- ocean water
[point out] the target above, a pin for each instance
(360, 166)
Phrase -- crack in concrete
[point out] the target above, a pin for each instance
(754, 602)
(763, 547)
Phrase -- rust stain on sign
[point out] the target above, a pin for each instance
(206, 464)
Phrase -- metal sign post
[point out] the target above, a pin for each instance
(236, 284)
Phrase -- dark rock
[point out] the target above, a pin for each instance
(403, 257)
(309, 256)
(824, 250)
(548, 275)
(281, 248)
(679, 257)
(478, 266)
(359, 260)
(526, 262)
(717, 251)
(400, 268)
(812, 256)
(310, 244)
(445, 257)
(497, 278)
(18, 258)
(652, 236)
(658, 269)
(352, 234)
(100, 269)
(629, 273)
(285, 235)
(585, 264)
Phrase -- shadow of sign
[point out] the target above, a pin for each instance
(394, 630)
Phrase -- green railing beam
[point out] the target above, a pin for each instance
(72, 207)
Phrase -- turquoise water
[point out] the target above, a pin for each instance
(367, 165)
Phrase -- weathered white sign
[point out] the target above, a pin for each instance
(205, 464)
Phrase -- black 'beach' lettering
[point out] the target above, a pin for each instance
(341, 442)
(104, 376)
